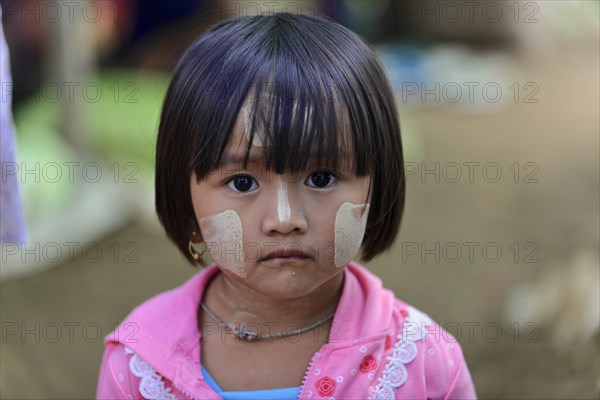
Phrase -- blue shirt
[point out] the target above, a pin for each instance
(268, 394)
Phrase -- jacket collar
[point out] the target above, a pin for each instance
(164, 330)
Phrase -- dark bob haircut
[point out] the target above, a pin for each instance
(313, 86)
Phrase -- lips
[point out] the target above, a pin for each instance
(285, 254)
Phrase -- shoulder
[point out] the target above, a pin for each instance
(165, 301)
(161, 332)
(141, 323)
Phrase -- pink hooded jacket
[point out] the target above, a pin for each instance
(379, 348)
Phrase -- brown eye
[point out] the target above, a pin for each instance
(242, 183)
(320, 179)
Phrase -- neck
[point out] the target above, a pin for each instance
(235, 303)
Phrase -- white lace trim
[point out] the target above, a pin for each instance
(404, 351)
(152, 386)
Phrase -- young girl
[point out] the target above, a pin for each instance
(279, 155)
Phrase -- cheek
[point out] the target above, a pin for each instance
(350, 224)
(223, 236)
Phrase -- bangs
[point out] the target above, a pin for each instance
(299, 99)
(295, 124)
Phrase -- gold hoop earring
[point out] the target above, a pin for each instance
(196, 250)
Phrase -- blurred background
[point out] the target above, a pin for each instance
(499, 109)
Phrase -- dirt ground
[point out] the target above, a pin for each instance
(541, 347)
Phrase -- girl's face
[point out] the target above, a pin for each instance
(281, 235)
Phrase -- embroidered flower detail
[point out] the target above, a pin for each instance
(407, 352)
(404, 313)
(368, 363)
(385, 393)
(325, 386)
(388, 342)
(398, 376)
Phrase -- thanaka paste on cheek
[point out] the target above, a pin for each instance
(223, 236)
(350, 225)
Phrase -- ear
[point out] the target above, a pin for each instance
(195, 233)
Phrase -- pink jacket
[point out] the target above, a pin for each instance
(379, 348)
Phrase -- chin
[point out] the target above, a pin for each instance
(279, 283)
(287, 290)
(284, 287)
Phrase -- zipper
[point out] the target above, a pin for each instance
(316, 355)
(307, 373)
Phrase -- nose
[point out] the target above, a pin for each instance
(284, 212)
